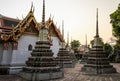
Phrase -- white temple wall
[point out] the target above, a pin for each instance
(55, 46)
(19, 56)
(1, 52)
(22, 53)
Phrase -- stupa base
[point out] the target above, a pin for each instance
(67, 65)
(41, 76)
(91, 70)
(5, 70)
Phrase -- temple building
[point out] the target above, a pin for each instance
(18, 37)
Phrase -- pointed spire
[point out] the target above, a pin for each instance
(86, 39)
(31, 9)
(97, 40)
(43, 32)
(43, 15)
(50, 17)
(68, 38)
(63, 29)
(71, 39)
(97, 30)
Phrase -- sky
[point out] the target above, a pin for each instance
(79, 16)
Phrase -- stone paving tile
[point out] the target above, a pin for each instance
(74, 74)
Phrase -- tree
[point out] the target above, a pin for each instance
(74, 45)
(115, 21)
(108, 49)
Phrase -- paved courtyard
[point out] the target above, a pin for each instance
(74, 74)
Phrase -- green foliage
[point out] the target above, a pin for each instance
(108, 48)
(74, 45)
(115, 21)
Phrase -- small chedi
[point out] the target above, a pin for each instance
(64, 58)
(98, 62)
(84, 58)
(85, 55)
(41, 66)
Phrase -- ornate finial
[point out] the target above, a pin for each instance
(43, 15)
(50, 17)
(97, 31)
(31, 9)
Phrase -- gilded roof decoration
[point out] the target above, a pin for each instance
(23, 26)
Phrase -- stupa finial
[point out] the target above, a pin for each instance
(97, 30)
(43, 32)
(97, 40)
(43, 15)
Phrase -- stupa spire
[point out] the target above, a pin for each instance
(43, 33)
(97, 30)
(68, 38)
(86, 40)
(63, 29)
(43, 15)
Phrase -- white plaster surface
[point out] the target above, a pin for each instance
(21, 54)
(55, 46)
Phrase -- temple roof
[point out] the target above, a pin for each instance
(18, 27)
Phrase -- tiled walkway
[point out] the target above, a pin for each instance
(74, 74)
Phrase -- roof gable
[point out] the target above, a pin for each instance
(28, 24)
(53, 30)
(31, 28)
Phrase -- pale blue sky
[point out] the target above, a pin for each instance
(79, 15)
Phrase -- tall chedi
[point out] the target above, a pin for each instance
(63, 58)
(40, 65)
(98, 62)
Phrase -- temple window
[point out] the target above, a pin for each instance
(29, 47)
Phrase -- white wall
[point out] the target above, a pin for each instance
(21, 54)
(55, 46)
